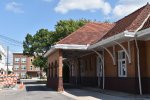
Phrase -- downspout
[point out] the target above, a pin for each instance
(138, 65)
(138, 54)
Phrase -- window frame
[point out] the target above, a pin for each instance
(23, 74)
(16, 68)
(25, 67)
(31, 67)
(121, 59)
(17, 61)
(23, 61)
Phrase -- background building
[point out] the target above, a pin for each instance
(2, 60)
(23, 67)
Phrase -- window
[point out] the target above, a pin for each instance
(30, 67)
(17, 60)
(16, 74)
(16, 67)
(37, 68)
(23, 60)
(23, 75)
(122, 69)
(23, 67)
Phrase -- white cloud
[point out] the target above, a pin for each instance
(65, 6)
(125, 7)
(47, 0)
(14, 7)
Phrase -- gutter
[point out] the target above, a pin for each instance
(66, 47)
(143, 32)
(111, 39)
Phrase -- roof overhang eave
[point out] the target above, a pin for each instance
(143, 33)
(66, 47)
(126, 35)
(51, 50)
(71, 46)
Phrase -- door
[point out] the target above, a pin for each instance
(99, 71)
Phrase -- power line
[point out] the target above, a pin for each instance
(10, 39)
(7, 42)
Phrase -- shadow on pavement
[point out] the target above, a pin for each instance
(102, 94)
(78, 91)
(37, 87)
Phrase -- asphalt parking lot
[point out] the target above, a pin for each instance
(37, 91)
(32, 92)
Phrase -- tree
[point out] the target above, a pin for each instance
(27, 45)
(0, 57)
(37, 45)
(41, 42)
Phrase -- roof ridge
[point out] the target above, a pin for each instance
(132, 13)
(102, 22)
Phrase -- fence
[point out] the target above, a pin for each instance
(8, 81)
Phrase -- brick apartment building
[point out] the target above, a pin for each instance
(23, 67)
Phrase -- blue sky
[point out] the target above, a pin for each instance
(19, 17)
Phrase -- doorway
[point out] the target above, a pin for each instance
(65, 73)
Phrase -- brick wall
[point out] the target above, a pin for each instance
(55, 80)
(28, 64)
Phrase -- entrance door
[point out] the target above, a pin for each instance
(99, 71)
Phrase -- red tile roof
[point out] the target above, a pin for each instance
(94, 32)
(147, 24)
(88, 34)
(131, 22)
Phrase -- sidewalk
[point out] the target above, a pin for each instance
(88, 93)
(116, 93)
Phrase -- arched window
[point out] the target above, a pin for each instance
(56, 66)
(52, 65)
(48, 71)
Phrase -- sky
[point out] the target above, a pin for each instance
(19, 17)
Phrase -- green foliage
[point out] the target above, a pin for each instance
(65, 27)
(40, 61)
(0, 57)
(27, 45)
(9, 72)
(41, 42)
(37, 44)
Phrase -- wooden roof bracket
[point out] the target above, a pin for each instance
(111, 55)
(125, 50)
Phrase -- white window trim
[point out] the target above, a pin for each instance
(23, 66)
(16, 68)
(31, 67)
(23, 75)
(120, 60)
(23, 61)
(17, 61)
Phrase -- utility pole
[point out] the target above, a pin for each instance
(7, 59)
